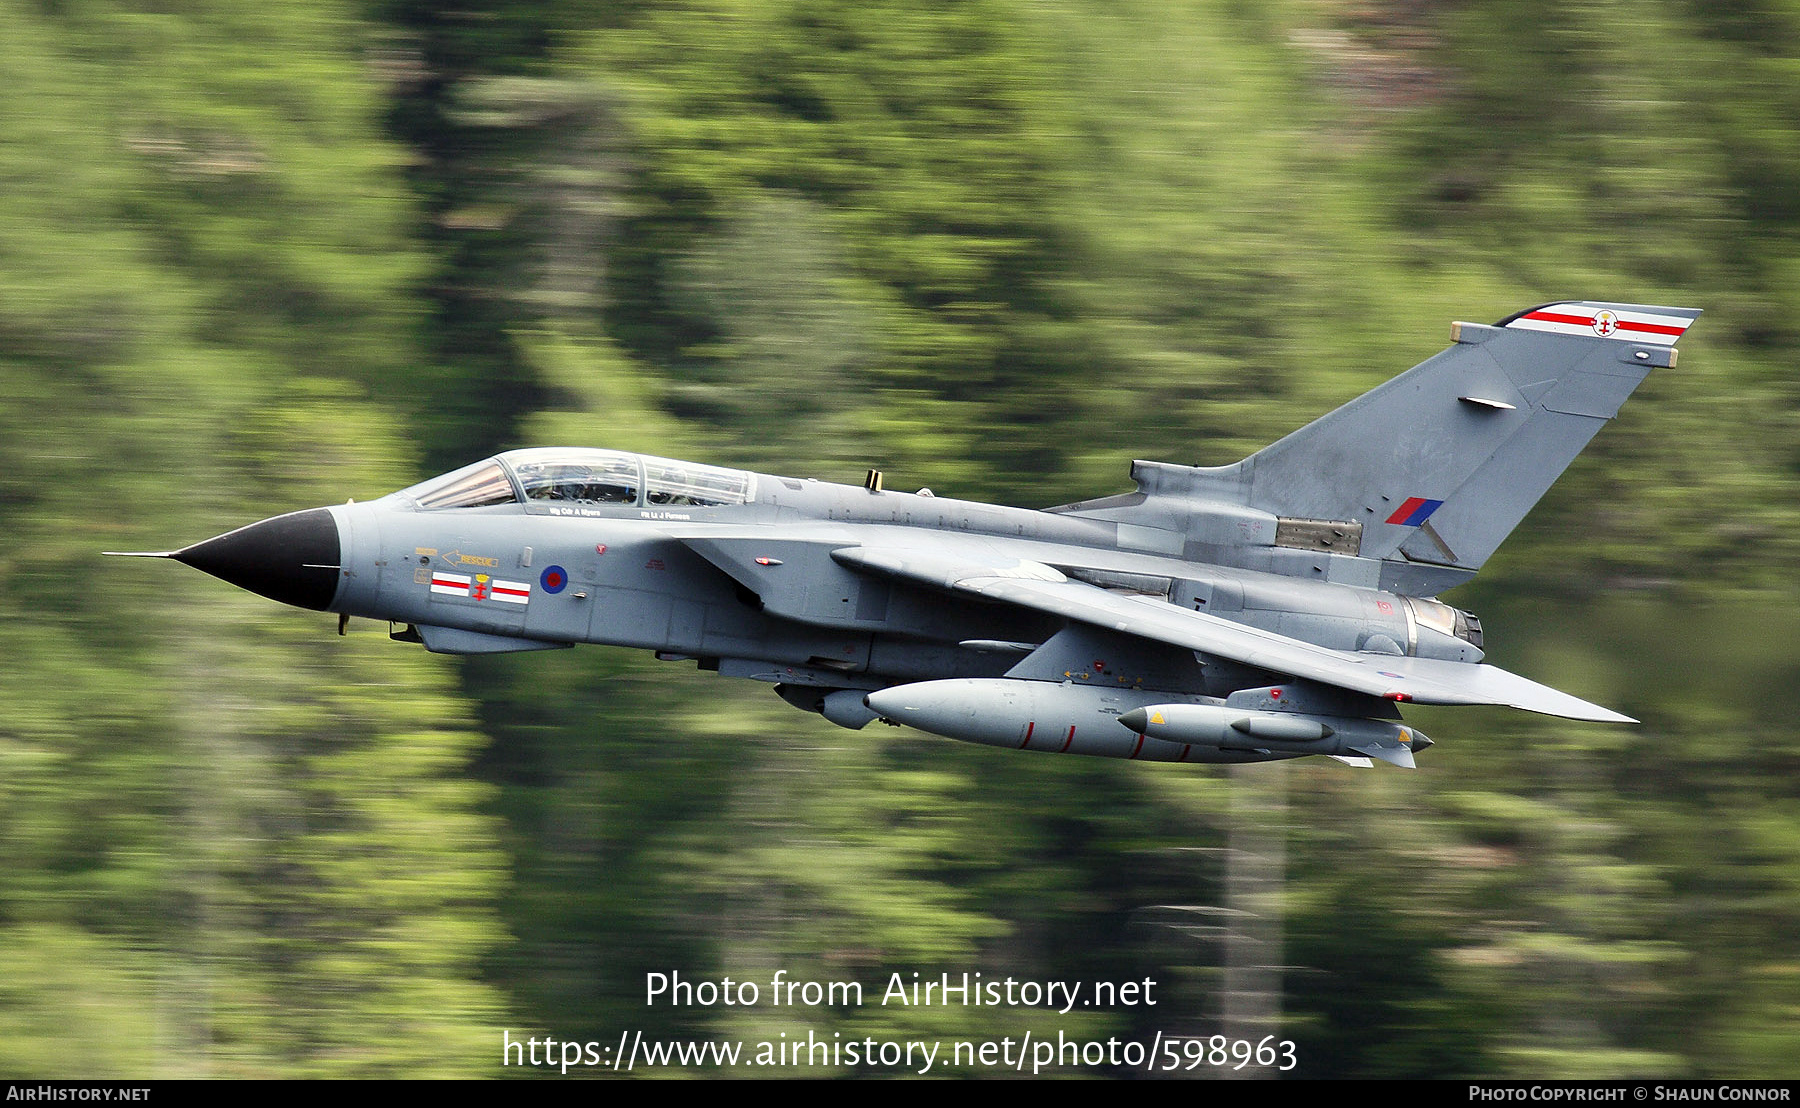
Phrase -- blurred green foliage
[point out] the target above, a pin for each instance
(257, 259)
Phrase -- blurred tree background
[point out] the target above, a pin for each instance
(253, 259)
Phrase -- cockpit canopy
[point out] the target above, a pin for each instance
(576, 476)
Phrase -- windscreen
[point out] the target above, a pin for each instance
(472, 486)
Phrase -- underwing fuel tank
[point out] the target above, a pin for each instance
(1120, 723)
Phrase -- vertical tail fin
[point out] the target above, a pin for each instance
(1430, 472)
(1441, 463)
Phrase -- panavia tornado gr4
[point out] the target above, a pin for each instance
(1275, 608)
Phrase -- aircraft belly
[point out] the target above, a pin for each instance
(792, 646)
(900, 660)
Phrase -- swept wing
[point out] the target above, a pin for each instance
(1037, 586)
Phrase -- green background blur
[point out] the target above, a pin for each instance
(256, 258)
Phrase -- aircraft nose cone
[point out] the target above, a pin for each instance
(291, 558)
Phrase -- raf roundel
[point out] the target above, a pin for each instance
(554, 579)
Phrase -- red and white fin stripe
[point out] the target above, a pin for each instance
(1627, 322)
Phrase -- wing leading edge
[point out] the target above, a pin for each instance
(1040, 587)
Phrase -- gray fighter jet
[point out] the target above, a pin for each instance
(1275, 608)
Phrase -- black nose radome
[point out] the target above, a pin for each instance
(291, 558)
